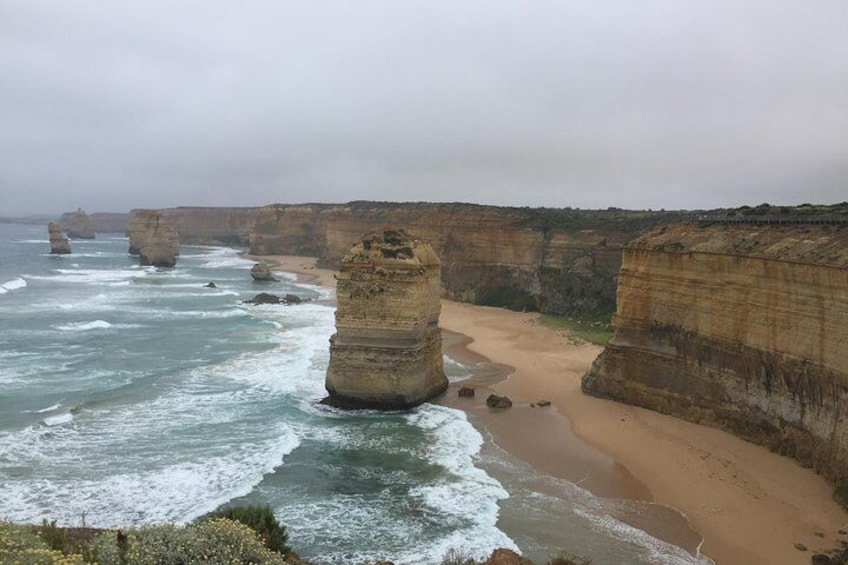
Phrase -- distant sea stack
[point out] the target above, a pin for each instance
(77, 224)
(157, 240)
(387, 349)
(59, 244)
(740, 326)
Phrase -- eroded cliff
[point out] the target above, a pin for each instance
(387, 349)
(558, 261)
(743, 327)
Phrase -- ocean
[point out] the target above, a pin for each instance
(131, 395)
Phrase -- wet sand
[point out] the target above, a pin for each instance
(750, 505)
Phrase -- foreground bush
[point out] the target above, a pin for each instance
(19, 545)
(213, 541)
(261, 520)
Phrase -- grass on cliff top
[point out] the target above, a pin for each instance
(594, 327)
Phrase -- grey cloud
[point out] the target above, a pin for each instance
(668, 103)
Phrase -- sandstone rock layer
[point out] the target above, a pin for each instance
(154, 238)
(386, 352)
(59, 244)
(742, 327)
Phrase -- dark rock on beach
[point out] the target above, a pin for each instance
(495, 401)
(466, 392)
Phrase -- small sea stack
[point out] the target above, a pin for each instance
(387, 349)
(261, 272)
(59, 244)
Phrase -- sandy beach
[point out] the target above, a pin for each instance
(750, 506)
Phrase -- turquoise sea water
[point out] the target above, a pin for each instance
(130, 395)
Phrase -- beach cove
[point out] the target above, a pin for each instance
(749, 505)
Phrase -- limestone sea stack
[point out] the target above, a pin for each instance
(137, 225)
(59, 244)
(387, 349)
(78, 225)
(159, 243)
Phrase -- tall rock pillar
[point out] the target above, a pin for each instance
(59, 244)
(387, 349)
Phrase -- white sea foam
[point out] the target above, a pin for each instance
(13, 284)
(223, 258)
(84, 326)
(134, 479)
(59, 419)
(48, 409)
(93, 276)
(472, 497)
(657, 550)
(178, 492)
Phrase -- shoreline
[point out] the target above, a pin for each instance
(750, 505)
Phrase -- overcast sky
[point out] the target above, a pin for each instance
(111, 105)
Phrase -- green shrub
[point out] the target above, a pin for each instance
(213, 541)
(21, 546)
(52, 535)
(261, 520)
(456, 556)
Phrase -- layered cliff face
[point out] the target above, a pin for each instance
(77, 224)
(201, 225)
(743, 327)
(154, 239)
(558, 261)
(386, 352)
(291, 230)
(59, 244)
(212, 226)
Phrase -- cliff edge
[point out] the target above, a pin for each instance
(738, 326)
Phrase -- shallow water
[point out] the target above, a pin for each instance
(132, 395)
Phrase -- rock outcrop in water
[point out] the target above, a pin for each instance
(260, 272)
(157, 240)
(59, 244)
(743, 327)
(77, 225)
(387, 349)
